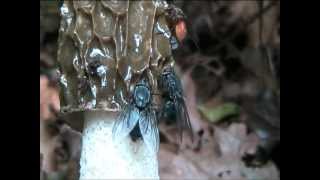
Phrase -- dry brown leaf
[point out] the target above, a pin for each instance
(216, 153)
(218, 158)
(49, 96)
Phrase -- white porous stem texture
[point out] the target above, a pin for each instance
(101, 158)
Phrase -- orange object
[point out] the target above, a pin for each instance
(181, 30)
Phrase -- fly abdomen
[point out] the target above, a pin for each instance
(135, 134)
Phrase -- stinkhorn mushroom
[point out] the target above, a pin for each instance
(112, 55)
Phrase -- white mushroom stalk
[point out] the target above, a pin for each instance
(102, 158)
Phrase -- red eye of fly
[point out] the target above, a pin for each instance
(181, 30)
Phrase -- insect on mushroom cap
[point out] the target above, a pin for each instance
(141, 96)
(181, 30)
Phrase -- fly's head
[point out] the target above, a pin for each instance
(141, 95)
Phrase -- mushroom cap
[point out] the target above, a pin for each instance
(104, 49)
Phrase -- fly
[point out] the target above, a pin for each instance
(173, 95)
(138, 119)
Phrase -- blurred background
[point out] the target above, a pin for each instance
(229, 65)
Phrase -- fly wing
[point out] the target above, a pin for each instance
(149, 130)
(125, 122)
(183, 118)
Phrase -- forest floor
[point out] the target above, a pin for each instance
(229, 65)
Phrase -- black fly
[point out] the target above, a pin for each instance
(138, 119)
(173, 94)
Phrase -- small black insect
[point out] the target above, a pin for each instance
(173, 95)
(98, 70)
(138, 119)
